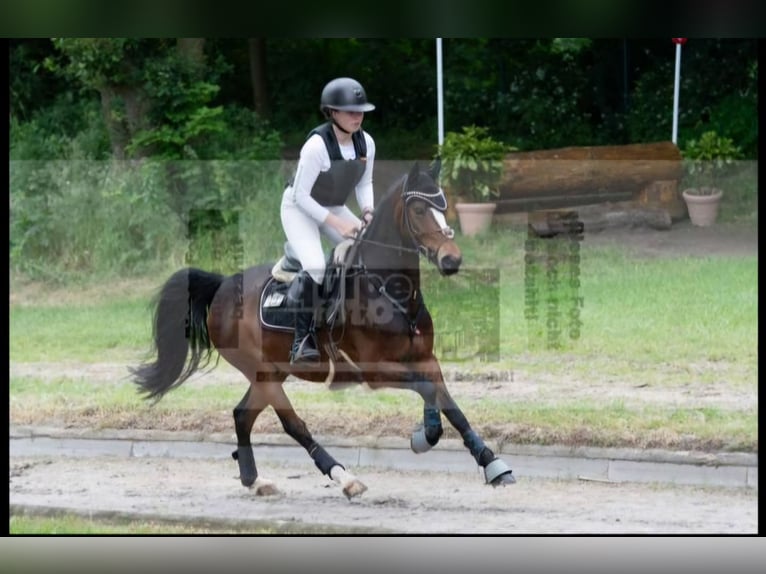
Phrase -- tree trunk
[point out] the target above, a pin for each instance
(118, 133)
(193, 49)
(125, 112)
(589, 170)
(257, 51)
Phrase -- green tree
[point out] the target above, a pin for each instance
(155, 96)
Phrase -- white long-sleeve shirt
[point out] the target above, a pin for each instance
(314, 159)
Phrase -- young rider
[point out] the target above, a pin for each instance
(336, 159)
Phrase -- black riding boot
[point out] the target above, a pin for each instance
(301, 298)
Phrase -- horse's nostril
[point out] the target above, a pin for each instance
(451, 264)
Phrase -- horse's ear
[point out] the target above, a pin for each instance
(412, 178)
(435, 168)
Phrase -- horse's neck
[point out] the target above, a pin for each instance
(383, 248)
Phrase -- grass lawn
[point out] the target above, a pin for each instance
(680, 323)
(72, 524)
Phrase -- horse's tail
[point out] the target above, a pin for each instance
(180, 325)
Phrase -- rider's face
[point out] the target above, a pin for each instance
(349, 121)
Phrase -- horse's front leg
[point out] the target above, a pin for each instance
(417, 377)
(427, 434)
(496, 471)
(425, 378)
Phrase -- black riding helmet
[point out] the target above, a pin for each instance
(344, 94)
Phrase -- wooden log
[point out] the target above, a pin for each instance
(663, 194)
(595, 169)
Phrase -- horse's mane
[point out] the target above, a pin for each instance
(384, 210)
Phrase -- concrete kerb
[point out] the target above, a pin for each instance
(738, 470)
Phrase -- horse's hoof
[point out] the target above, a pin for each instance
(418, 441)
(504, 479)
(354, 488)
(265, 488)
(496, 470)
(247, 472)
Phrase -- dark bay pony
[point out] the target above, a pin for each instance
(378, 332)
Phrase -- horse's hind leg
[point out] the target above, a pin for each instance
(296, 428)
(245, 413)
(244, 419)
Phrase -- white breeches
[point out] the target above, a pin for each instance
(304, 234)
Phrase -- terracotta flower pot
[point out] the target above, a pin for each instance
(475, 217)
(703, 208)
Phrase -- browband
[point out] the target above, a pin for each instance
(436, 199)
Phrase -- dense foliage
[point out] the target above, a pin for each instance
(118, 146)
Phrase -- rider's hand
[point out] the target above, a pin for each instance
(347, 228)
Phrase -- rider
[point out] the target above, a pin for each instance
(336, 159)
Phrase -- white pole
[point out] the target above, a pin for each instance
(675, 93)
(439, 91)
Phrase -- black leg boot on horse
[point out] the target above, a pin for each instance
(303, 298)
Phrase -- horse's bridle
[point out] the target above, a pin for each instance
(437, 201)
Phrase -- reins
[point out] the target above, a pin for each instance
(388, 245)
(360, 239)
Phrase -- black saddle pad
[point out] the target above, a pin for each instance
(274, 312)
(273, 306)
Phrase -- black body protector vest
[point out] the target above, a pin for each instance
(333, 187)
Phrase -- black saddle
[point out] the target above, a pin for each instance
(274, 311)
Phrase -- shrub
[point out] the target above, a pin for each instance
(472, 163)
(709, 159)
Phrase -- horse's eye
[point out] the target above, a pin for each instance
(420, 211)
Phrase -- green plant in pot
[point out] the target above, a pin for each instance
(707, 160)
(471, 168)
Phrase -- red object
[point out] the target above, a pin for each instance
(681, 41)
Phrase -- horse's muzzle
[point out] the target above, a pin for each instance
(449, 264)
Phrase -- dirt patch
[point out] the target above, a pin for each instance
(682, 240)
(464, 382)
(397, 501)
(465, 385)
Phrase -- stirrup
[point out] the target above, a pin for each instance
(304, 353)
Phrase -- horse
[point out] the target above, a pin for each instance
(376, 330)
